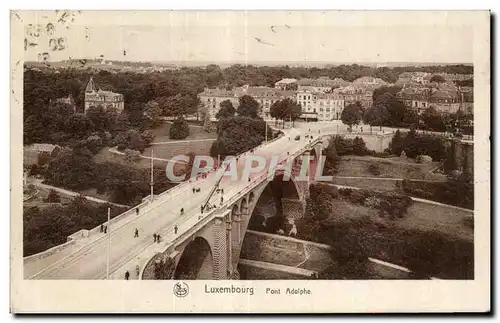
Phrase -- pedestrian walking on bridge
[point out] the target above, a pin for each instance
(137, 271)
(137, 210)
(158, 238)
(127, 275)
(194, 190)
(136, 235)
(102, 228)
(154, 237)
(176, 229)
(182, 211)
(105, 229)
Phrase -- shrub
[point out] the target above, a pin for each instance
(469, 222)
(179, 129)
(458, 192)
(346, 146)
(372, 202)
(423, 159)
(345, 191)
(53, 197)
(359, 147)
(148, 136)
(132, 155)
(421, 144)
(332, 157)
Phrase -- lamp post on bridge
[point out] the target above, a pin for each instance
(151, 183)
(109, 244)
(266, 132)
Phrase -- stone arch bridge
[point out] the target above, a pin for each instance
(207, 244)
(212, 251)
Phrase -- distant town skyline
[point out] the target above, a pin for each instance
(229, 37)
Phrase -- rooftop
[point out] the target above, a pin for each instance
(42, 147)
(287, 81)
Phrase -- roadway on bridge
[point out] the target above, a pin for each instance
(90, 261)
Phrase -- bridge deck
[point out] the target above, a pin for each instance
(90, 261)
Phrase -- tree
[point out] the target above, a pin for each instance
(433, 119)
(376, 116)
(148, 136)
(410, 118)
(450, 163)
(395, 108)
(286, 109)
(207, 124)
(202, 112)
(179, 104)
(98, 118)
(121, 123)
(79, 126)
(135, 141)
(93, 143)
(437, 79)
(152, 112)
(385, 89)
(351, 115)
(248, 107)
(226, 110)
(237, 135)
(72, 169)
(34, 130)
(179, 129)
(396, 145)
(332, 157)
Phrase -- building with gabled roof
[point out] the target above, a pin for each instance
(39, 153)
(286, 84)
(94, 96)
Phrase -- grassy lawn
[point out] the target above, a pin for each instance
(429, 240)
(195, 133)
(104, 155)
(180, 148)
(420, 216)
(395, 167)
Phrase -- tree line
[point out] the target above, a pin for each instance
(240, 129)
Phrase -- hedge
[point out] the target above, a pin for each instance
(455, 192)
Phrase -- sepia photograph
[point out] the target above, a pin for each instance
(247, 146)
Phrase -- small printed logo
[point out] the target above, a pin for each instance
(181, 289)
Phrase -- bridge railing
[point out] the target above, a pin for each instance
(188, 182)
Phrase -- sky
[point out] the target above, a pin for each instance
(368, 37)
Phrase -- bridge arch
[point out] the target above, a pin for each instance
(196, 261)
(251, 197)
